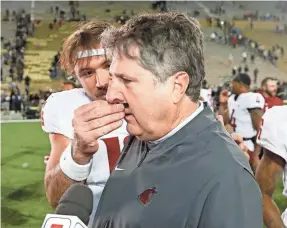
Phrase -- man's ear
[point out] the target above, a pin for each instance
(181, 82)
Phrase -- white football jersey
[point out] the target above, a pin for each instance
(57, 115)
(239, 115)
(273, 137)
(206, 95)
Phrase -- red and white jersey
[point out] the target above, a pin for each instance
(57, 115)
(239, 115)
(273, 137)
(206, 95)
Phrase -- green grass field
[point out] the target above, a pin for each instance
(24, 204)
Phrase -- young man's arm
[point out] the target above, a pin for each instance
(256, 115)
(56, 182)
(268, 174)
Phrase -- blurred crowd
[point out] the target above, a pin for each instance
(230, 35)
(60, 15)
(15, 100)
(14, 47)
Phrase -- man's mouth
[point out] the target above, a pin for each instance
(128, 116)
(128, 112)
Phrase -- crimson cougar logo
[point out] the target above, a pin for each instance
(146, 197)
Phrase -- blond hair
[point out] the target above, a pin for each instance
(86, 36)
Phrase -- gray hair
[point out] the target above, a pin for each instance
(167, 42)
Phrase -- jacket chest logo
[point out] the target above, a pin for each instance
(146, 197)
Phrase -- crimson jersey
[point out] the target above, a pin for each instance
(57, 115)
(271, 101)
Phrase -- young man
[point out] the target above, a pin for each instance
(243, 111)
(269, 91)
(273, 139)
(180, 168)
(83, 128)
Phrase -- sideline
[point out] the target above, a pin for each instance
(20, 121)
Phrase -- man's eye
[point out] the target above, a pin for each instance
(88, 73)
(107, 66)
(126, 80)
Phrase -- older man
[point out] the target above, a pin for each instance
(180, 168)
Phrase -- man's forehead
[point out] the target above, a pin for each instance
(120, 52)
(91, 62)
(272, 82)
(119, 64)
(91, 52)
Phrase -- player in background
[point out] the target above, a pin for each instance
(243, 111)
(83, 128)
(269, 91)
(273, 139)
(206, 94)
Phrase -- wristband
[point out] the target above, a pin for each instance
(71, 169)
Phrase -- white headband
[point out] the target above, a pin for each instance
(92, 52)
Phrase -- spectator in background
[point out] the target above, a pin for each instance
(244, 56)
(27, 84)
(11, 73)
(275, 60)
(246, 69)
(234, 40)
(230, 59)
(269, 91)
(17, 101)
(251, 24)
(12, 101)
(252, 58)
(265, 54)
(234, 71)
(239, 69)
(255, 75)
(2, 75)
(84, 16)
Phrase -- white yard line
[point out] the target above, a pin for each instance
(20, 121)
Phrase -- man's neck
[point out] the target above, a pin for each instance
(187, 107)
(242, 91)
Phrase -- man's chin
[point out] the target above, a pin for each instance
(132, 129)
(132, 125)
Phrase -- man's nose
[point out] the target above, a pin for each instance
(114, 95)
(102, 82)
